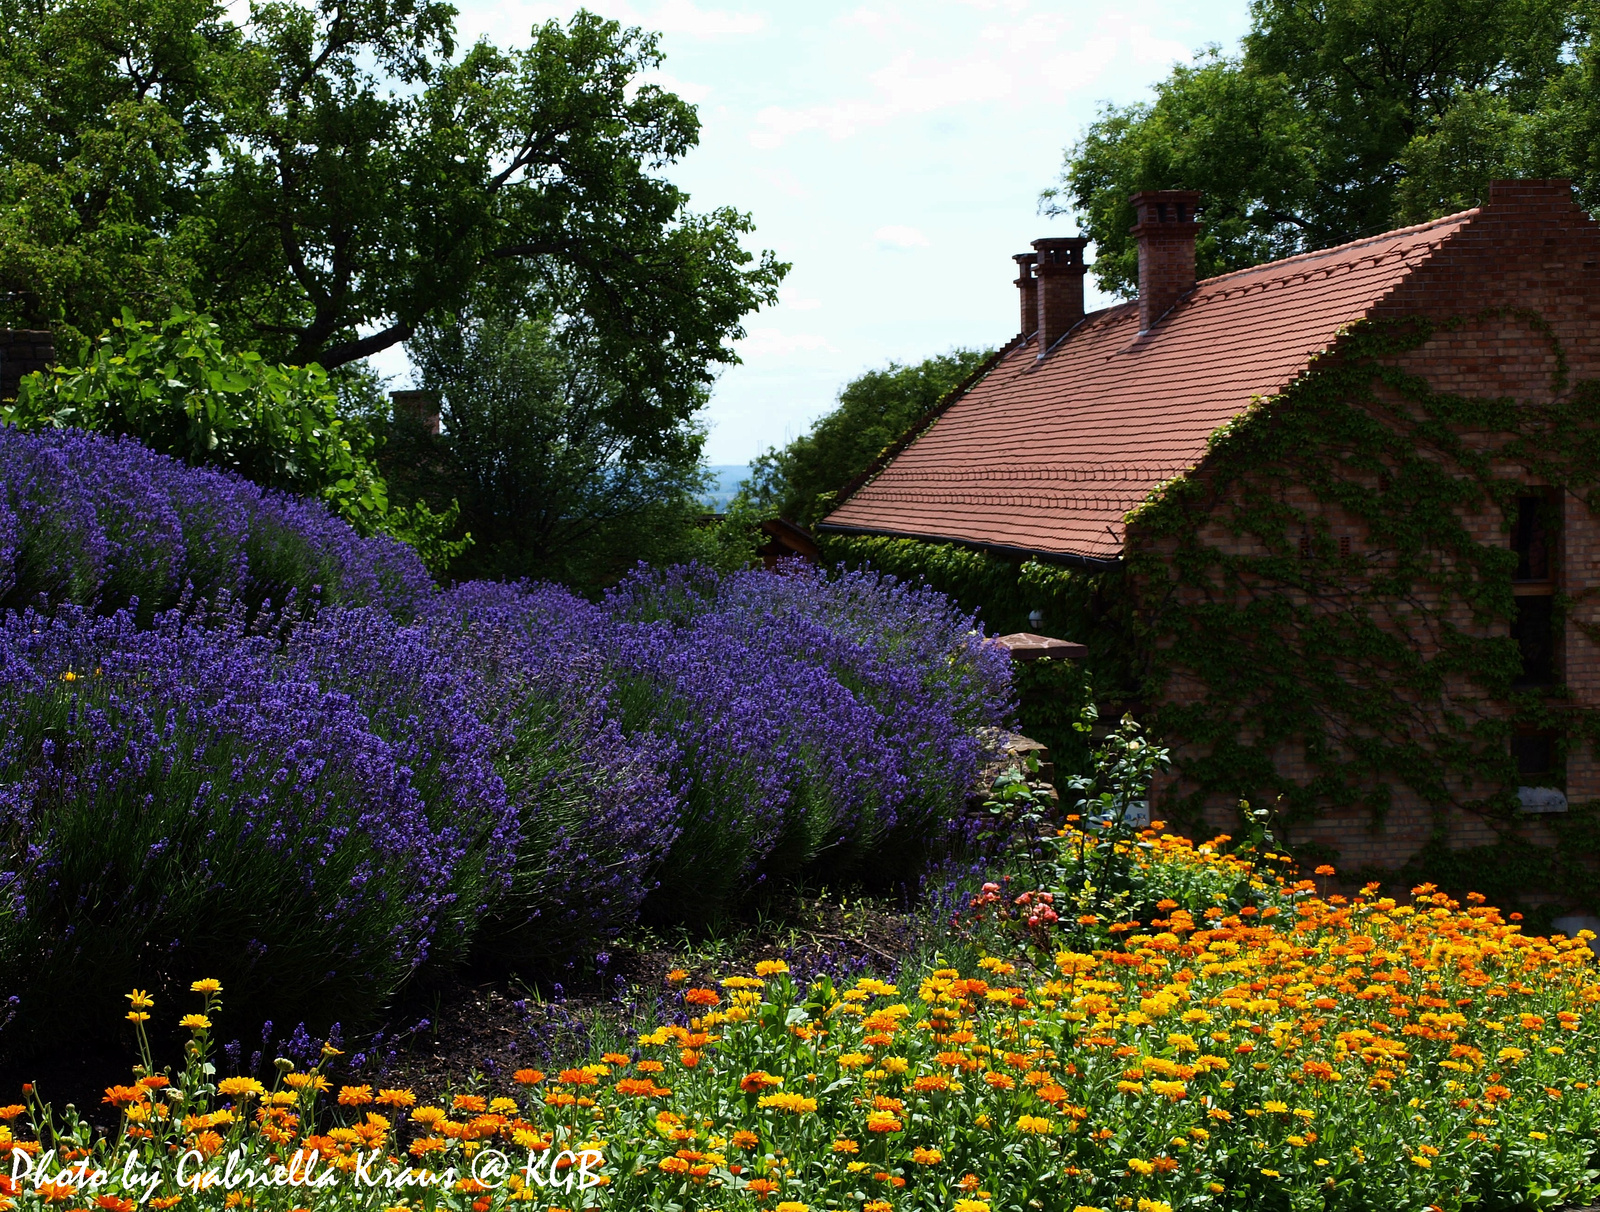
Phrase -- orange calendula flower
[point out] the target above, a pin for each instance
(355, 1096)
(470, 1102)
(762, 1186)
(702, 997)
(527, 1077)
(240, 1087)
(395, 1098)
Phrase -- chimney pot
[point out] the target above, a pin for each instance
(1166, 230)
(1059, 267)
(1028, 292)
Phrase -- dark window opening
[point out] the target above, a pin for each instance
(1344, 545)
(1535, 755)
(1305, 545)
(1531, 541)
(1533, 628)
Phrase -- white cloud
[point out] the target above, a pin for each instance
(775, 343)
(1014, 66)
(685, 17)
(687, 89)
(893, 235)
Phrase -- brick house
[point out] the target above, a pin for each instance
(1340, 507)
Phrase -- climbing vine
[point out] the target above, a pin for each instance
(1284, 666)
(1384, 664)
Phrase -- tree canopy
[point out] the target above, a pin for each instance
(549, 484)
(1342, 118)
(328, 176)
(875, 409)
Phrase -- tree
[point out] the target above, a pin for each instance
(551, 486)
(330, 176)
(800, 481)
(1339, 119)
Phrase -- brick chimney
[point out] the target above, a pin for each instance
(1058, 265)
(1166, 231)
(419, 406)
(1028, 291)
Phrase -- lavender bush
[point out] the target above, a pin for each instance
(804, 726)
(312, 806)
(597, 810)
(105, 522)
(192, 798)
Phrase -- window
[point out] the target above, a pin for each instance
(1535, 754)
(1533, 583)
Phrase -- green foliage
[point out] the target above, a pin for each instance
(1051, 699)
(875, 410)
(542, 447)
(176, 389)
(1341, 118)
(326, 177)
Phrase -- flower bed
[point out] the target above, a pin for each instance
(1317, 1053)
(317, 813)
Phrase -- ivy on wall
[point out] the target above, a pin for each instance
(1251, 633)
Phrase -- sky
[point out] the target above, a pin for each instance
(893, 152)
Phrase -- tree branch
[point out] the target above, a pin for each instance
(352, 351)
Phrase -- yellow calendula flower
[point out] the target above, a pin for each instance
(140, 999)
(1035, 1125)
(195, 1022)
(794, 1104)
(772, 968)
(207, 985)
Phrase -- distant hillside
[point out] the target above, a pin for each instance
(727, 476)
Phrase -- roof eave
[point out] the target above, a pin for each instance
(1067, 558)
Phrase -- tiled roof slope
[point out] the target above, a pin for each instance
(1048, 456)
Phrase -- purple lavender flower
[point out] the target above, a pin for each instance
(103, 522)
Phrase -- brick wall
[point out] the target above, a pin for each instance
(1526, 273)
(22, 351)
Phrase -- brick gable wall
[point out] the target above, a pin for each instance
(1527, 274)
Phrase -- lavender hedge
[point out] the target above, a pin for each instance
(191, 798)
(313, 808)
(804, 725)
(103, 522)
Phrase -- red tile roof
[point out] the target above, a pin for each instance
(1048, 456)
